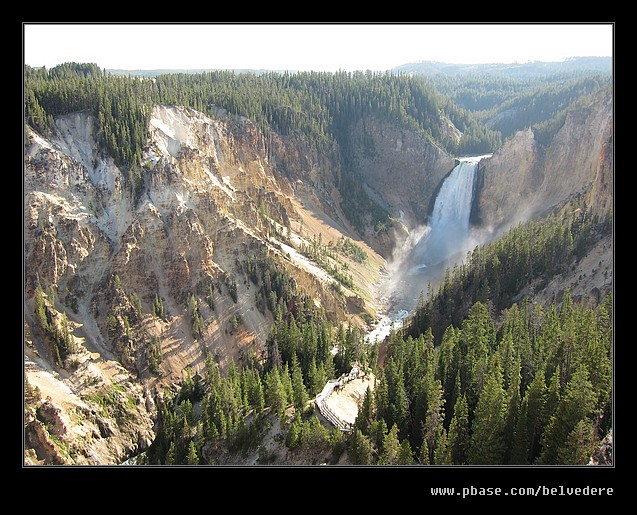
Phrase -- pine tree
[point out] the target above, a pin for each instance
(435, 413)
(195, 317)
(192, 458)
(458, 435)
(274, 393)
(442, 452)
(447, 362)
(390, 448)
(552, 400)
(293, 437)
(256, 396)
(423, 458)
(580, 444)
(170, 455)
(487, 439)
(578, 402)
(381, 396)
(286, 382)
(365, 415)
(400, 411)
(513, 407)
(520, 447)
(338, 442)
(274, 354)
(315, 383)
(478, 339)
(40, 308)
(594, 352)
(158, 307)
(377, 432)
(531, 423)
(300, 395)
(360, 449)
(405, 454)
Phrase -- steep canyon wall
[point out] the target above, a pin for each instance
(524, 179)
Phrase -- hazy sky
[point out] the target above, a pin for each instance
(312, 46)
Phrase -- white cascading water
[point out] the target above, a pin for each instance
(449, 223)
(447, 237)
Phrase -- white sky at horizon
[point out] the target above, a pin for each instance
(308, 46)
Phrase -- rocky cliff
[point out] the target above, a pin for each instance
(126, 259)
(524, 179)
(400, 168)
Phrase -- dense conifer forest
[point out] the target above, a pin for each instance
(533, 389)
(486, 109)
(320, 105)
(481, 375)
(507, 105)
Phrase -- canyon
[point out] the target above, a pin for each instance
(215, 193)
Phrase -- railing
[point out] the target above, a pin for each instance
(346, 427)
(326, 392)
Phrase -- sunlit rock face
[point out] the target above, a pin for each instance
(524, 179)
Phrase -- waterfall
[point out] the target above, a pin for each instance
(448, 232)
(446, 238)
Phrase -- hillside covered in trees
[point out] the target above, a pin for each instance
(485, 106)
(480, 374)
(535, 389)
(317, 104)
(506, 104)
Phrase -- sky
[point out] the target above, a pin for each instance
(307, 46)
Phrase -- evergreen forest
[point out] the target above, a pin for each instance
(320, 105)
(506, 105)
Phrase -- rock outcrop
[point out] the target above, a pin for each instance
(524, 179)
(401, 169)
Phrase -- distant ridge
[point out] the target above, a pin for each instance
(532, 69)
(163, 71)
